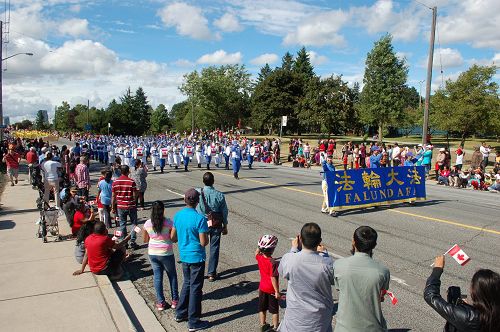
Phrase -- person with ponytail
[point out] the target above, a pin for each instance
(157, 234)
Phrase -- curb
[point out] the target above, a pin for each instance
(128, 309)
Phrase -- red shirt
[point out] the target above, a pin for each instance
(99, 249)
(77, 222)
(12, 160)
(124, 189)
(31, 157)
(268, 268)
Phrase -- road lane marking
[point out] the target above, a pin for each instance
(477, 228)
(443, 221)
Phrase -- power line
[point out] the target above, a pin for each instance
(423, 4)
(440, 55)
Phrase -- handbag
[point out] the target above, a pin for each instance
(215, 219)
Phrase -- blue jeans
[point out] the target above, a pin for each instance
(162, 264)
(122, 215)
(191, 294)
(214, 235)
(236, 164)
(250, 161)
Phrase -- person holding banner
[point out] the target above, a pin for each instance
(327, 167)
(480, 313)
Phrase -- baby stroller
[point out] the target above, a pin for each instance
(48, 221)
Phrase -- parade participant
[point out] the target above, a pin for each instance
(251, 154)
(154, 155)
(361, 281)
(170, 154)
(110, 148)
(227, 154)
(187, 154)
(199, 153)
(176, 155)
(208, 154)
(327, 166)
(123, 202)
(127, 156)
(157, 235)
(269, 293)
(213, 206)
(375, 157)
(163, 157)
(310, 277)
(236, 158)
(190, 232)
(218, 155)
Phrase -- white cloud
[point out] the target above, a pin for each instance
(319, 30)
(476, 22)
(183, 63)
(228, 23)
(188, 20)
(446, 58)
(75, 8)
(262, 59)
(220, 57)
(317, 59)
(403, 55)
(74, 27)
(276, 17)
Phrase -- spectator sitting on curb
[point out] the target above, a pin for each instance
(103, 255)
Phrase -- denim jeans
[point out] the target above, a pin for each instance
(191, 294)
(214, 235)
(162, 264)
(122, 215)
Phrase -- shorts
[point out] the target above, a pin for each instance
(268, 302)
(13, 172)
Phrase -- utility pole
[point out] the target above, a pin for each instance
(88, 114)
(192, 117)
(1, 80)
(425, 128)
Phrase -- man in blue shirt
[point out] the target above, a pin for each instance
(216, 202)
(236, 158)
(190, 232)
(375, 158)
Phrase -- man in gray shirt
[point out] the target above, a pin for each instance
(309, 301)
(360, 281)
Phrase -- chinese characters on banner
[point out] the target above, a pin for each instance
(367, 187)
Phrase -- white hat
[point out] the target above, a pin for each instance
(442, 150)
(419, 145)
(428, 146)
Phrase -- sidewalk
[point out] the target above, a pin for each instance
(37, 289)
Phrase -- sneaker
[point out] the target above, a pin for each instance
(180, 319)
(201, 325)
(161, 306)
(324, 210)
(265, 328)
(174, 304)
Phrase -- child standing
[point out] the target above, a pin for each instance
(268, 287)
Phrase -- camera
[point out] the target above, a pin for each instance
(454, 295)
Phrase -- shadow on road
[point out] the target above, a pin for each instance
(7, 224)
(237, 289)
(237, 311)
(393, 206)
(230, 273)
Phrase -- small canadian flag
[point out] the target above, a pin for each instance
(391, 295)
(459, 255)
(118, 233)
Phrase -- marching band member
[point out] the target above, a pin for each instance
(251, 154)
(163, 158)
(199, 153)
(227, 154)
(236, 158)
(187, 154)
(218, 154)
(176, 155)
(154, 155)
(208, 153)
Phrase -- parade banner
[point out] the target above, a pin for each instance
(357, 188)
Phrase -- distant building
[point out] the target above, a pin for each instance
(6, 120)
(45, 116)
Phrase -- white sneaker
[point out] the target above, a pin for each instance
(324, 210)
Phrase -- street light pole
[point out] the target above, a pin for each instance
(1, 76)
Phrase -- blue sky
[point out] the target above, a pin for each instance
(96, 49)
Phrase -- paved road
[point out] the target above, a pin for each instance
(279, 200)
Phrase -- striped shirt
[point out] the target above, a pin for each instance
(124, 189)
(82, 176)
(160, 244)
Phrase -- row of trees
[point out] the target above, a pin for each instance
(226, 97)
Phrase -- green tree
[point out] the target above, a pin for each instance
(287, 61)
(219, 95)
(142, 112)
(412, 115)
(160, 121)
(40, 122)
(265, 71)
(468, 105)
(61, 116)
(382, 101)
(302, 64)
(178, 113)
